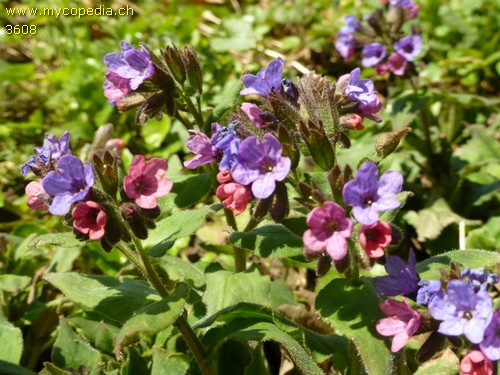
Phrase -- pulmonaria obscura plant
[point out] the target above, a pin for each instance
(273, 163)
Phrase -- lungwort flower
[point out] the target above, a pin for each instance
(361, 91)
(475, 363)
(329, 230)
(267, 78)
(68, 184)
(402, 278)
(261, 164)
(89, 218)
(37, 197)
(369, 195)
(126, 71)
(409, 46)
(373, 53)
(52, 150)
(375, 238)
(145, 182)
(490, 345)
(402, 322)
(462, 311)
(234, 196)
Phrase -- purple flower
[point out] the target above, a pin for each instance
(409, 47)
(490, 345)
(201, 145)
(70, 183)
(267, 78)
(227, 140)
(260, 163)
(405, 4)
(373, 53)
(328, 230)
(462, 311)
(402, 322)
(479, 278)
(370, 195)
(402, 278)
(52, 149)
(427, 289)
(126, 71)
(345, 44)
(351, 23)
(361, 91)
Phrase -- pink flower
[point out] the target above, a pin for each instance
(475, 363)
(381, 69)
(375, 238)
(145, 182)
(328, 229)
(234, 196)
(90, 219)
(352, 121)
(116, 145)
(254, 113)
(37, 197)
(402, 322)
(397, 64)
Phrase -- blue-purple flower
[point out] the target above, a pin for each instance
(261, 164)
(462, 311)
(126, 71)
(373, 53)
(402, 278)
(201, 145)
(70, 183)
(490, 345)
(479, 278)
(361, 91)
(267, 78)
(409, 46)
(227, 140)
(345, 44)
(351, 23)
(369, 195)
(427, 289)
(52, 149)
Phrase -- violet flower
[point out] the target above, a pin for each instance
(126, 71)
(462, 311)
(427, 289)
(201, 145)
(145, 182)
(409, 46)
(373, 53)
(267, 78)
(329, 230)
(70, 183)
(402, 322)
(361, 91)
(490, 345)
(227, 140)
(52, 149)
(475, 363)
(402, 278)
(479, 278)
(369, 195)
(345, 44)
(255, 114)
(90, 219)
(261, 164)
(351, 23)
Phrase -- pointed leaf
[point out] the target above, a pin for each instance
(353, 312)
(269, 241)
(166, 363)
(154, 317)
(12, 369)
(115, 297)
(14, 283)
(66, 239)
(12, 335)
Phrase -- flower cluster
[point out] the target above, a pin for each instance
(459, 306)
(381, 41)
(368, 195)
(68, 187)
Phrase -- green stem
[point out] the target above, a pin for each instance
(424, 120)
(240, 257)
(194, 111)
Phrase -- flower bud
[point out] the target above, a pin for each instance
(193, 69)
(175, 64)
(352, 121)
(133, 215)
(386, 143)
(105, 166)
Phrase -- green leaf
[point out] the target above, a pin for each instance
(281, 293)
(12, 369)
(189, 190)
(71, 351)
(431, 221)
(486, 237)
(170, 229)
(154, 132)
(446, 364)
(66, 239)
(154, 317)
(229, 100)
(115, 297)
(62, 260)
(269, 241)
(181, 270)
(225, 288)
(429, 268)
(166, 363)
(12, 335)
(353, 311)
(14, 283)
